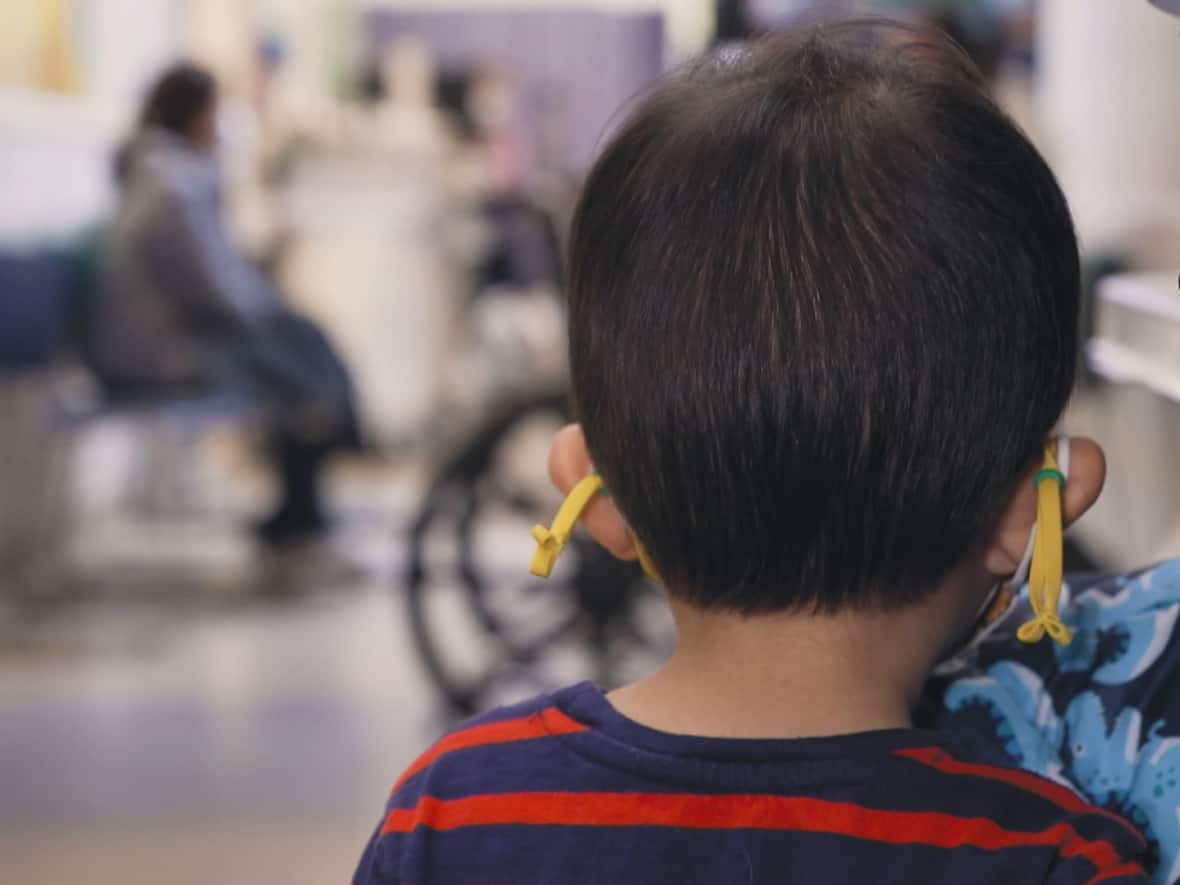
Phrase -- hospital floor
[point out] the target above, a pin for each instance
(177, 716)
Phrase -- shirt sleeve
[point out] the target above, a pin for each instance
(393, 853)
(371, 870)
(1100, 849)
(1080, 874)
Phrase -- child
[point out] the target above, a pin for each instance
(823, 301)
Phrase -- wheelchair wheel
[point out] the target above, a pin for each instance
(485, 630)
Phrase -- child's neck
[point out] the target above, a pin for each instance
(792, 675)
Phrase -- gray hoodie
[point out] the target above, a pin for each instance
(174, 290)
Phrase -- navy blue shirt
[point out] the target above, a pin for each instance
(565, 789)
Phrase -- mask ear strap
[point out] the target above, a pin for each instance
(551, 541)
(1018, 578)
(1046, 572)
(649, 567)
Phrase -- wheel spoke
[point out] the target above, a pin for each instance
(529, 651)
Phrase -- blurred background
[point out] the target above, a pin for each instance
(281, 349)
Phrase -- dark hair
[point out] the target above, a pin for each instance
(178, 97)
(823, 313)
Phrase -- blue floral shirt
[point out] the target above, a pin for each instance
(1102, 714)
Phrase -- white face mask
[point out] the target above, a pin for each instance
(1005, 598)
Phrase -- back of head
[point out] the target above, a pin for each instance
(823, 309)
(180, 101)
(178, 97)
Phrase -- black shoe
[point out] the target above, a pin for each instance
(287, 528)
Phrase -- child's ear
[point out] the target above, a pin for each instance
(1087, 474)
(569, 462)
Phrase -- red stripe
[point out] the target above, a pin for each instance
(544, 723)
(742, 811)
(940, 759)
(1127, 869)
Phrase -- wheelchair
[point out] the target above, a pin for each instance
(486, 631)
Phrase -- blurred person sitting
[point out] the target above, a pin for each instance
(182, 309)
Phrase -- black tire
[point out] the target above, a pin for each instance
(589, 610)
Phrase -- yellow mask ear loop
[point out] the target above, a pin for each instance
(551, 541)
(1046, 573)
(649, 567)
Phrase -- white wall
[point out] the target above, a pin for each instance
(55, 153)
(689, 22)
(55, 148)
(125, 42)
(220, 34)
(1110, 120)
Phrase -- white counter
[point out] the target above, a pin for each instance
(1136, 417)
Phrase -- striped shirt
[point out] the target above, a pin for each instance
(564, 789)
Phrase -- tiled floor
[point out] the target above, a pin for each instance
(199, 731)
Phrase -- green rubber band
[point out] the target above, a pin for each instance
(603, 490)
(1050, 473)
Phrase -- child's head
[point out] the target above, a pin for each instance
(823, 313)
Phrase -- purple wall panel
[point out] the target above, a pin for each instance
(597, 61)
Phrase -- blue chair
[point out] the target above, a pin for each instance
(43, 295)
(37, 292)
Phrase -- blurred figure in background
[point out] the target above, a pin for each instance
(524, 251)
(182, 309)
